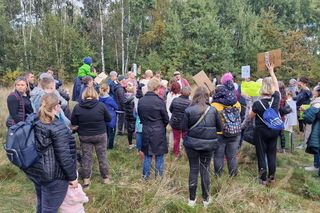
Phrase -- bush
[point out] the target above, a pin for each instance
(9, 77)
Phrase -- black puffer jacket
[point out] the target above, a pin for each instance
(177, 108)
(207, 129)
(120, 97)
(91, 117)
(57, 146)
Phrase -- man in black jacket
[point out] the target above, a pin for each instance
(120, 100)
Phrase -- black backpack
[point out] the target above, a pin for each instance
(20, 144)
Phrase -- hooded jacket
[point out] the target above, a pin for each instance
(225, 94)
(91, 117)
(85, 70)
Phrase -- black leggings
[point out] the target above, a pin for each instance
(266, 146)
(199, 161)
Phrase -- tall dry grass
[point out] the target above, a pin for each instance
(295, 191)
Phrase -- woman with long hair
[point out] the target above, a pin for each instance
(56, 169)
(18, 102)
(201, 122)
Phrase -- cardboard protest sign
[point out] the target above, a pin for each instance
(272, 57)
(251, 88)
(102, 76)
(202, 79)
(245, 72)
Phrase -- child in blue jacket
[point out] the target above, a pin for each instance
(112, 107)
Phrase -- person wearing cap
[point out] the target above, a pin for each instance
(120, 100)
(85, 69)
(183, 82)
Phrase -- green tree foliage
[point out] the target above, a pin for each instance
(166, 35)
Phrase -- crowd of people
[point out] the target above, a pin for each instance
(158, 114)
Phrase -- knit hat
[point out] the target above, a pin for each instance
(226, 77)
(87, 60)
(120, 77)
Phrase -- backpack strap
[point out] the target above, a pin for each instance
(264, 105)
(201, 118)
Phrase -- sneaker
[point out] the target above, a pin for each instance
(301, 146)
(207, 203)
(131, 146)
(191, 203)
(263, 182)
(311, 168)
(106, 180)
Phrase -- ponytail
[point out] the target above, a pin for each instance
(48, 102)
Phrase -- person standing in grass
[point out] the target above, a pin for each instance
(265, 137)
(90, 116)
(112, 107)
(226, 102)
(177, 108)
(56, 170)
(201, 122)
(311, 117)
(18, 102)
(154, 118)
(129, 112)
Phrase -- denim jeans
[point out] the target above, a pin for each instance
(138, 140)
(199, 161)
(111, 133)
(50, 195)
(147, 164)
(227, 147)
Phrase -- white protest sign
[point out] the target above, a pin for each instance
(102, 76)
(245, 72)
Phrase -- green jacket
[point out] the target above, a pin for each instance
(84, 70)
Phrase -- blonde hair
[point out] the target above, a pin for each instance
(90, 92)
(267, 87)
(148, 73)
(104, 89)
(154, 84)
(48, 102)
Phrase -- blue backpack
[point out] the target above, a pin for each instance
(20, 144)
(271, 118)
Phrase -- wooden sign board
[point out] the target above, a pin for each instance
(273, 57)
(102, 76)
(202, 79)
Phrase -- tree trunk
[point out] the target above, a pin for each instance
(128, 39)
(102, 37)
(122, 42)
(116, 49)
(137, 43)
(24, 33)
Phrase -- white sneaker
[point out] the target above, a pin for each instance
(301, 146)
(207, 203)
(191, 203)
(311, 168)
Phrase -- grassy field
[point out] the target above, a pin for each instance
(295, 190)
